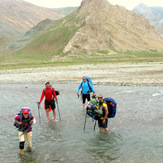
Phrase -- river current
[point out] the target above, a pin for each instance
(136, 133)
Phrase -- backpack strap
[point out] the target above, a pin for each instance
(89, 86)
(51, 91)
(90, 90)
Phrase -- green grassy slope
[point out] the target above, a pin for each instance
(49, 43)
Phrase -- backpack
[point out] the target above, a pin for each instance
(93, 114)
(56, 92)
(20, 114)
(111, 104)
(89, 80)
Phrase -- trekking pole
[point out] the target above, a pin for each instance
(95, 125)
(25, 131)
(39, 114)
(58, 110)
(85, 120)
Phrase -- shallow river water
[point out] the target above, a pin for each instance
(136, 133)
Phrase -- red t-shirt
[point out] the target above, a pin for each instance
(49, 96)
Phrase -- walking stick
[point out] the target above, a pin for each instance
(25, 131)
(58, 110)
(85, 120)
(39, 114)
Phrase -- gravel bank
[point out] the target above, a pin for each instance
(110, 74)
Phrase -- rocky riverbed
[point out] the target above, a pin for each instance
(110, 74)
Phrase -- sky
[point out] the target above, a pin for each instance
(129, 4)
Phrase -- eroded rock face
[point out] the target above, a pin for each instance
(105, 26)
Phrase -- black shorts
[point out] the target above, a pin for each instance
(100, 124)
(85, 96)
(51, 103)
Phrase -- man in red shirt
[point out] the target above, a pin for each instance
(49, 93)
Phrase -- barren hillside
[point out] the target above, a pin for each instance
(105, 26)
(22, 15)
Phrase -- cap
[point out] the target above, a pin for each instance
(25, 110)
(47, 82)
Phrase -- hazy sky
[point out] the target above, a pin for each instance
(129, 4)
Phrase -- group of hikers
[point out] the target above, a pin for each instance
(24, 120)
(87, 87)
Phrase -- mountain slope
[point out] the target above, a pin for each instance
(107, 26)
(153, 14)
(159, 27)
(96, 25)
(66, 10)
(22, 15)
(41, 26)
(7, 31)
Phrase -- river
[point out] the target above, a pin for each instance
(136, 133)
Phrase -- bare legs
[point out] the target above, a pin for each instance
(104, 129)
(54, 114)
(47, 115)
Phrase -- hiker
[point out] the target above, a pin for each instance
(102, 107)
(50, 94)
(24, 123)
(86, 89)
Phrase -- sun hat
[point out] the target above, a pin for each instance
(47, 82)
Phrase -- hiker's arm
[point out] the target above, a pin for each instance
(92, 88)
(17, 120)
(106, 114)
(42, 96)
(79, 88)
(32, 119)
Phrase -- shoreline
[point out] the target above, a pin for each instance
(118, 74)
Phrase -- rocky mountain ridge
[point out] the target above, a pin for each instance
(153, 14)
(97, 26)
(112, 27)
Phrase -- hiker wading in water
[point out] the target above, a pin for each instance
(49, 93)
(24, 121)
(103, 109)
(86, 87)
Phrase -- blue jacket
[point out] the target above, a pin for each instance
(85, 87)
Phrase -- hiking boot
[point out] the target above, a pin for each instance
(21, 152)
(29, 149)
